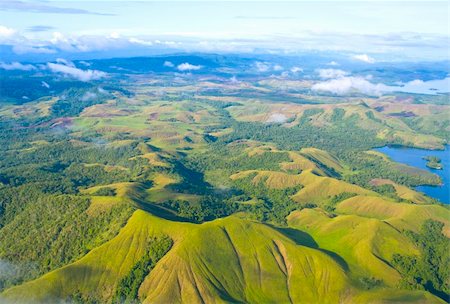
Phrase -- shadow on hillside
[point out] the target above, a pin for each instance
(336, 257)
(298, 236)
(162, 212)
(139, 197)
(304, 239)
(192, 181)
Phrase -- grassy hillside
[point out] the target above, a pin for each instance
(399, 215)
(366, 245)
(323, 158)
(317, 188)
(272, 179)
(404, 192)
(96, 275)
(208, 262)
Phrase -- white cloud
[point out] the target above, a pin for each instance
(333, 63)
(140, 41)
(58, 38)
(65, 62)
(296, 69)
(114, 35)
(345, 85)
(168, 64)
(277, 118)
(416, 82)
(45, 85)
(188, 67)
(277, 67)
(16, 66)
(262, 67)
(234, 80)
(364, 57)
(82, 75)
(26, 49)
(331, 73)
(102, 91)
(6, 32)
(266, 67)
(412, 45)
(88, 96)
(85, 63)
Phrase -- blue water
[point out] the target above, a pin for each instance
(414, 157)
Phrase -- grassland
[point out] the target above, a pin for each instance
(366, 245)
(400, 215)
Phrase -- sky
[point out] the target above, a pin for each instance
(411, 29)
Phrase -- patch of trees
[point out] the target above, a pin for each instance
(388, 190)
(80, 298)
(433, 162)
(369, 283)
(192, 180)
(128, 287)
(272, 205)
(341, 137)
(105, 191)
(438, 127)
(74, 101)
(365, 167)
(331, 204)
(428, 271)
(61, 167)
(207, 209)
(235, 159)
(40, 232)
(371, 116)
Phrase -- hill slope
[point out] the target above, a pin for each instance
(210, 262)
(366, 245)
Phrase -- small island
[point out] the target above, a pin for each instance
(433, 162)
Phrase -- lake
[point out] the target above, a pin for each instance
(431, 87)
(414, 157)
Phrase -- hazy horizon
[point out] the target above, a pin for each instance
(389, 31)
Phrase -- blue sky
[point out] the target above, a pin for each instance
(412, 28)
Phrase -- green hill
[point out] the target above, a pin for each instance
(210, 262)
(399, 215)
(366, 245)
(318, 188)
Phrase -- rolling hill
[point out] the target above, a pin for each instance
(210, 262)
